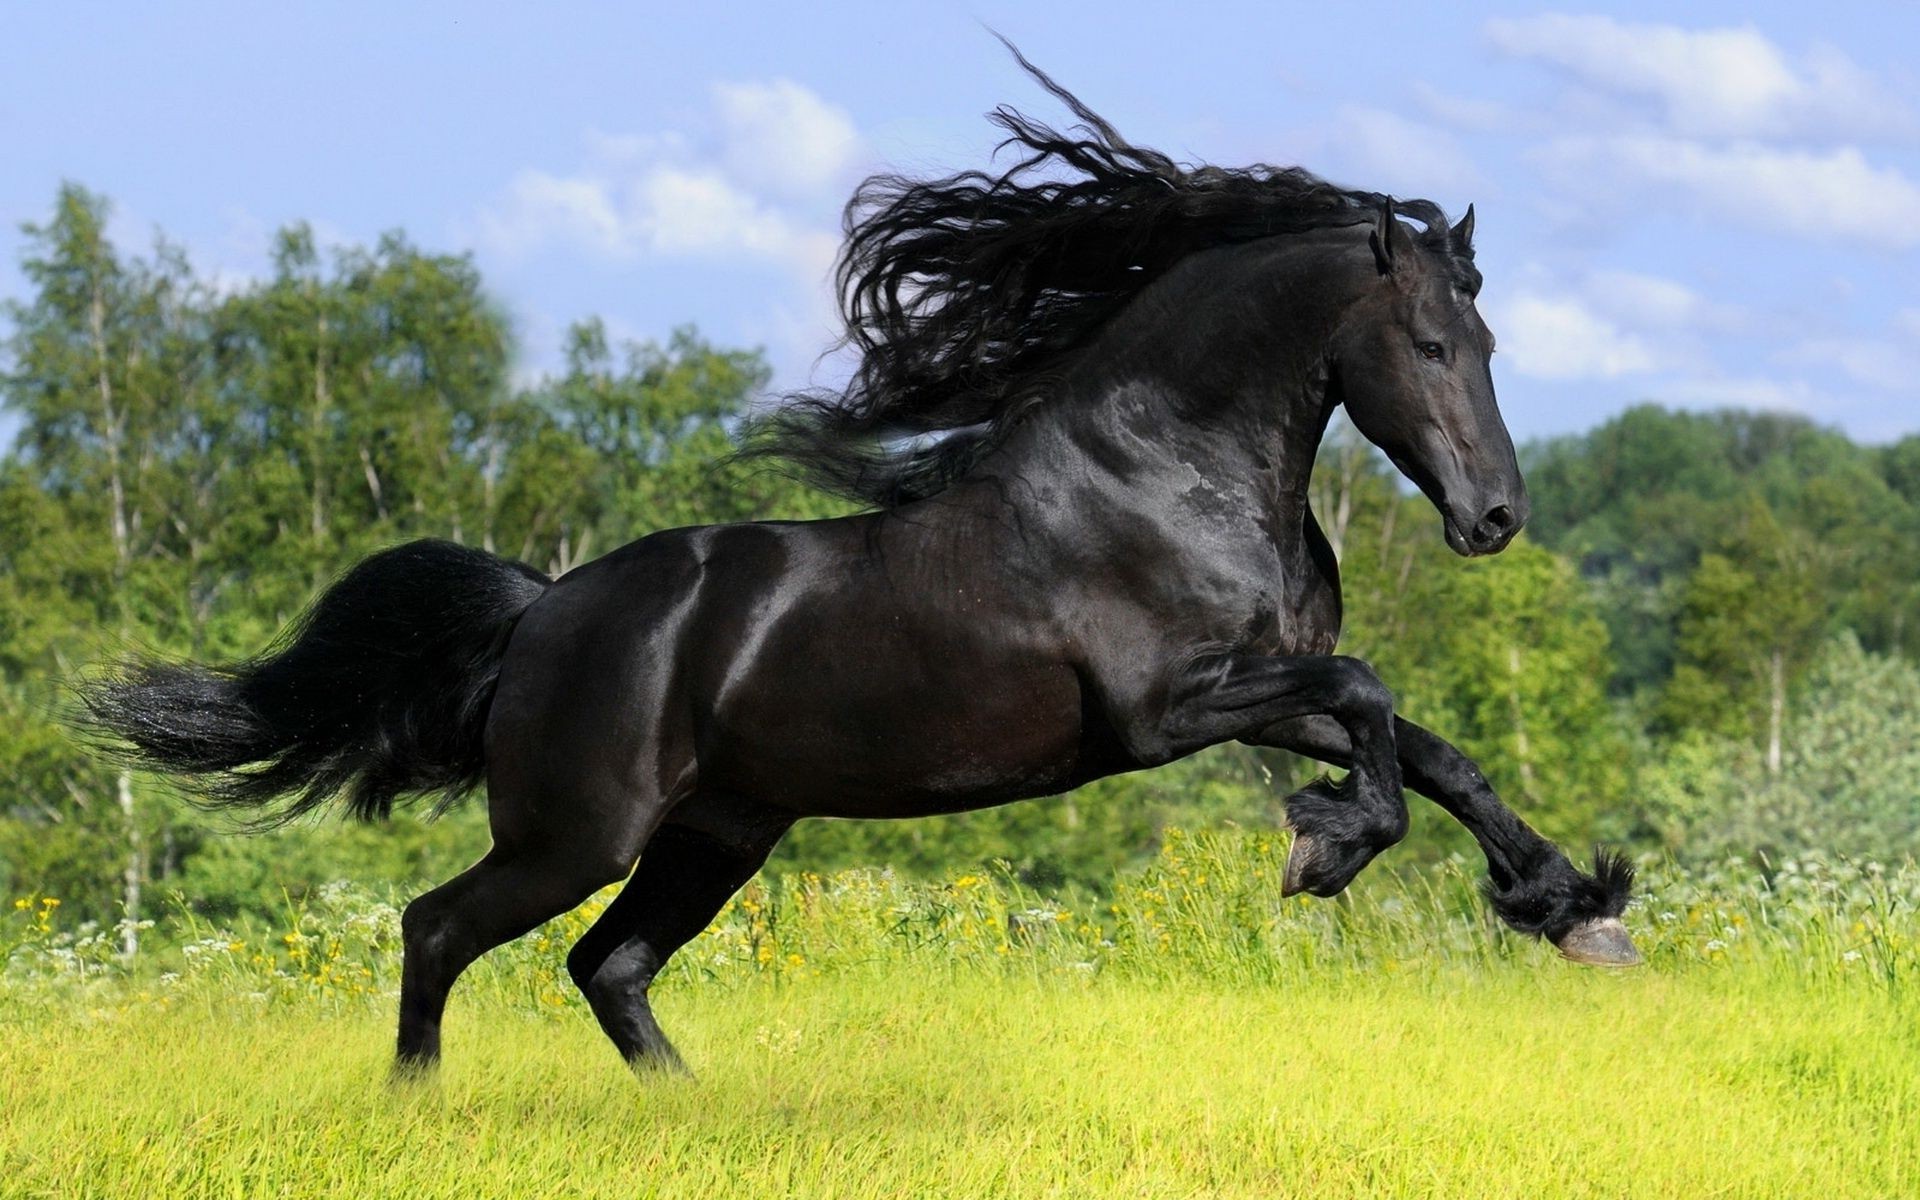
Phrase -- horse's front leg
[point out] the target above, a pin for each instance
(1536, 889)
(1338, 828)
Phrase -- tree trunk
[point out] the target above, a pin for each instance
(316, 450)
(488, 475)
(373, 484)
(1387, 524)
(136, 869)
(1776, 709)
(113, 431)
(1523, 745)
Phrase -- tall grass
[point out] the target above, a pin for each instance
(1191, 1034)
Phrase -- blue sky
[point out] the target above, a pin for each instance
(1719, 208)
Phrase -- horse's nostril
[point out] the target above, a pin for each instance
(1492, 530)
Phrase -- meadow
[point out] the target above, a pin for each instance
(1189, 1033)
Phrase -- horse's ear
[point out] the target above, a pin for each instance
(1461, 235)
(1392, 245)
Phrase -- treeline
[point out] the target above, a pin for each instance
(1713, 611)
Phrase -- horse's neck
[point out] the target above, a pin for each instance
(1205, 400)
(1131, 453)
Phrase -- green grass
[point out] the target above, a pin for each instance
(1189, 1035)
(1526, 1083)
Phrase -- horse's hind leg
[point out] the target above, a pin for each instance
(685, 876)
(564, 826)
(502, 896)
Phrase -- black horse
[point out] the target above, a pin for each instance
(1089, 396)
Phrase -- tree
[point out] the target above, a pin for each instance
(1849, 784)
(1750, 619)
(1638, 500)
(99, 356)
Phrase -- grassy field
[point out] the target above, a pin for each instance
(862, 1037)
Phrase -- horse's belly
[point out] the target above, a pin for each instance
(878, 739)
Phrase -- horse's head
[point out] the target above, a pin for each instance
(1410, 362)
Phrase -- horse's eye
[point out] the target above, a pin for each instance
(1432, 350)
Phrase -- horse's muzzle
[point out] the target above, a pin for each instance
(1487, 533)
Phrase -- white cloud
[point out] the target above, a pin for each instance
(1611, 323)
(699, 212)
(1474, 114)
(739, 190)
(782, 137)
(664, 210)
(539, 206)
(1907, 320)
(1833, 193)
(1866, 415)
(1787, 395)
(1563, 338)
(1887, 366)
(1649, 296)
(1654, 302)
(1726, 82)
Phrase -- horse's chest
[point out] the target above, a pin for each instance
(1315, 615)
(1295, 610)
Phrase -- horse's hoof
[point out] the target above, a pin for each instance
(1600, 943)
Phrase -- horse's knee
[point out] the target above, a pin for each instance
(585, 961)
(626, 972)
(582, 966)
(1390, 824)
(423, 929)
(1379, 809)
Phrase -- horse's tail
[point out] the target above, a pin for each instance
(380, 689)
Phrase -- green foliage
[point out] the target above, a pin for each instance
(1640, 500)
(227, 878)
(1849, 783)
(1511, 662)
(1204, 906)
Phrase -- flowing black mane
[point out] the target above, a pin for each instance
(964, 294)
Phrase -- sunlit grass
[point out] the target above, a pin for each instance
(1190, 1034)
(1503, 1082)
